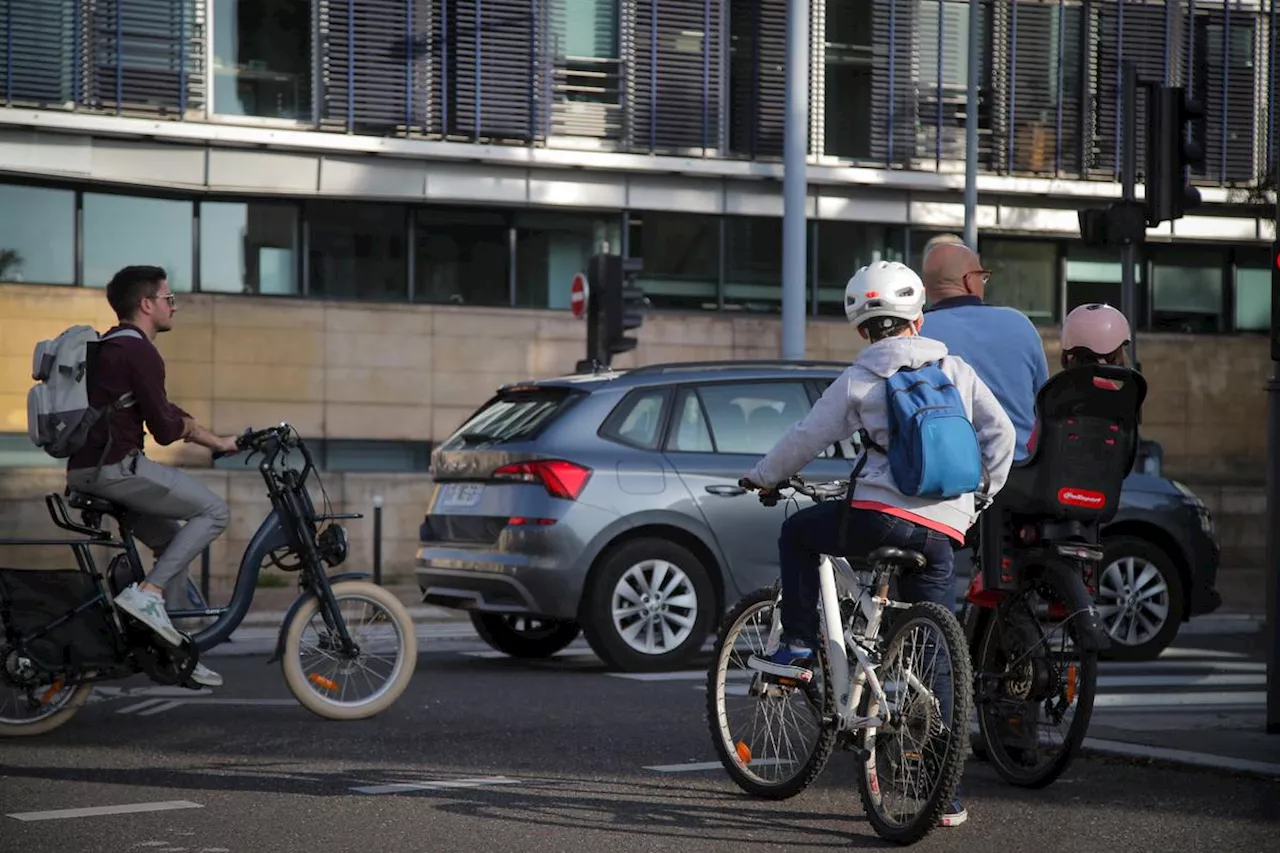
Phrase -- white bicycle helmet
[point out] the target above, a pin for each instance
(884, 289)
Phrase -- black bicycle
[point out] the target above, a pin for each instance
(1030, 616)
(61, 634)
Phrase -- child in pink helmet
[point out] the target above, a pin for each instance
(1094, 333)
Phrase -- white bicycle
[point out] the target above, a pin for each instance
(872, 691)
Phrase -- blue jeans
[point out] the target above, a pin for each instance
(815, 530)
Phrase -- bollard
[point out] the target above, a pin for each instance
(204, 575)
(377, 539)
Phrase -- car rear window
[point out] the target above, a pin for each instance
(518, 414)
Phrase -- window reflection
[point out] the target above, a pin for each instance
(37, 235)
(550, 250)
(248, 247)
(262, 58)
(681, 255)
(122, 230)
(358, 250)
(461, 258)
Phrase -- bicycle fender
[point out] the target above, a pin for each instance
(1068, 584)
(297, 604)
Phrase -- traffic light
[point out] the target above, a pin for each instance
(1174, 127)
(622, 301)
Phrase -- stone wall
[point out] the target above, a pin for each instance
(359, 370)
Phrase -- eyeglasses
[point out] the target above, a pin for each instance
(171, 298)
(984, 275)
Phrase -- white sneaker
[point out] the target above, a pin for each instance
(148, 608)
(205, 676)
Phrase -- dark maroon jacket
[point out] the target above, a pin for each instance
(123, 365)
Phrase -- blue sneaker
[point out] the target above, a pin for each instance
(791, 659)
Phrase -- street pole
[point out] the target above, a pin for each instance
(971, 135)
(1128, 177)
(795, 180)
(1273, 485)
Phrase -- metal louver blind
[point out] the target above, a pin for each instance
(143, 55)
(498, 78)
(894, 116)
(1222, 79)
(1146, 33)
(1038, 84)
(674, 74)
(379, 63)
(39, 50)
(757, 77)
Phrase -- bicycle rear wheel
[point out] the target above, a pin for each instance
(1035, 700)
(916, 760)
(749, 718)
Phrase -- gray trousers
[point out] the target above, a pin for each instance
(160, 498)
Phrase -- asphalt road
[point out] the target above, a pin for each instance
(490, 754)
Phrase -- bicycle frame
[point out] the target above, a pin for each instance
(838, 640)
(287, 525)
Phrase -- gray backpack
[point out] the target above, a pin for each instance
(58, 414)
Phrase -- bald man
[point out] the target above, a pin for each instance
(1001, 344)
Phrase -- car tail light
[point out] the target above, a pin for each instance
(561, 479)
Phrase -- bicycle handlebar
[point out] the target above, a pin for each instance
(829, 490)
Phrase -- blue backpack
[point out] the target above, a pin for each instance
(933, 447)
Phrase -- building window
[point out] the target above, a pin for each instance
(122, 230)
(37, 235)
(753, 263)
(262, 58)
(1024, 275)
(461, 258)
(681, 255)
(850, 53)
(845, 247)
(1187, 290)
(357, 251)
(1253, 300)
(551, 249)
(248, 247)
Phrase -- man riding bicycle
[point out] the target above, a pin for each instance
(111, 464)
(885, 303)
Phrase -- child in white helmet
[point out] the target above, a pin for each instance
(885, 301)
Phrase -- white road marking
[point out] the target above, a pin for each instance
(1182, 756)
(1180, 652)
(161, 708)
(129, 709)
(95, 811)
(1185, 680)
(397, 787)
(1182, 666)
(1162, 700)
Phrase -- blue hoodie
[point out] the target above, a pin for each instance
(1003, 348)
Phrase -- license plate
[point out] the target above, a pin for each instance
(461, 494)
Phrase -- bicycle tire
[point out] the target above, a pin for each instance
(952, 766)
(824, 744)
(1086, 691)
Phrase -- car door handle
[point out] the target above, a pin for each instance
(726, 491)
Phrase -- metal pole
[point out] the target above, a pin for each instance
(377, 539)
(971, 135)
(1128, 176)
(1273, 483)
(795, 180)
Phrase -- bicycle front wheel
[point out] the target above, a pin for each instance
(773, 739)
(328, 681)
(916, 759)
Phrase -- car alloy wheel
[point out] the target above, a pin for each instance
(654, 606)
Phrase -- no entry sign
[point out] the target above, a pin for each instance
(578, 295)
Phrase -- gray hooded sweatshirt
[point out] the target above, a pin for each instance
(856, 400)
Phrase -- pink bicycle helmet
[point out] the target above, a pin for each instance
(1096, 327)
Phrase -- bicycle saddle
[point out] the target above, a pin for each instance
(81, 500)
(897, 558)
